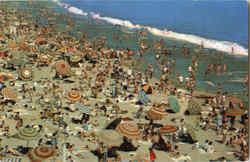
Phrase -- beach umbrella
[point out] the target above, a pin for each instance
(110, 138)
(28, 133)
(6, 76)
(142, 97)
(156, 113)
(73, 96)
(41, 41)
(75, 59)
(234, 112)
(62, 67)
(9, 93)
(194, 108)
(26, 74)
(168, 129)
(41, 153)
(235, 99)
(129, 130)
(174, 104)
(127, 119)
(44, 58)
(23, 45)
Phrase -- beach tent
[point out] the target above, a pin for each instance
(174, 104)
(142, 97)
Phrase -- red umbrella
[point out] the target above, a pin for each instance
(62, 67)
(127, 119)
(235, 112)
(168, 129)
(41, 153)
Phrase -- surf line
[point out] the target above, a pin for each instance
(224, 46)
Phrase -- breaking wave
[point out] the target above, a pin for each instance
(224, 46)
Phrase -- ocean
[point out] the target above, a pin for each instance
(222, 20)
(218, 24)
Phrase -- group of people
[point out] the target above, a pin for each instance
(101, 72)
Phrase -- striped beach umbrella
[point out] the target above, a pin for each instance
(6, 76)
(62, 67)
(75, 59)
(26, 74)
(73, 96)
(41, 153)
(27, 133)
(156, 113)
(235, 112)
(9, 93)
(44, 58)
(168, 129)
(129, 130)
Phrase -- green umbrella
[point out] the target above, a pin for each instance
(194, 107)
(174, 104)
(28, 133)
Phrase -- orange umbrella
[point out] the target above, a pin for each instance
(6, 76)
(129, 130)
(168, 129)
(44, 58)
(41, 153)
(74, 96)
(9, 93)
(41, 41)
(23, 45)
(62, 67)
(234, 112)
(235, 99)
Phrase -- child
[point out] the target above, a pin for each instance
(152, 155)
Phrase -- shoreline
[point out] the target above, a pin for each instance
(230, 48)
(129, 25)
(38, 105)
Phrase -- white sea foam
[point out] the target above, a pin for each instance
(224, 46)
(71, 9)
(77, 11)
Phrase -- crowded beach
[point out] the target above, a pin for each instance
(75, 99)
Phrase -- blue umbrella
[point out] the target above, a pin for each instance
(174, 104)
(142, 97)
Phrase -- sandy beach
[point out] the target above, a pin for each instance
(60, 88)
